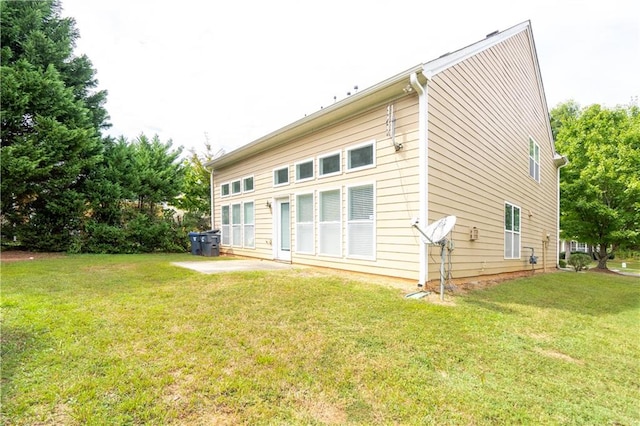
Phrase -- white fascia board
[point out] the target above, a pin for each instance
(444, 62)
(381, 92)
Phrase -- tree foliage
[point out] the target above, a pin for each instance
(64, 187)
(196, 195)
(131, 193)
(600, 188)
(50, 121)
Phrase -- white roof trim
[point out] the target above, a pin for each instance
(367, 97)
(446, 61)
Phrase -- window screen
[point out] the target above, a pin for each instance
(330, 238)
(304, 223)
(360, 223)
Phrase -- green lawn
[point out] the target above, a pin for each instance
(92, 339)
(630, 265)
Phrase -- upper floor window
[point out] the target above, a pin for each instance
(534, 160)
(304, 171)
(247, 184)
(361, 156)
(224, 190)
(281, 176)
(329, 164)
(235, 187)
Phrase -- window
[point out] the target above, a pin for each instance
(534, 160)
(360, 157)
(249, 225)
(224, 190)
(304, 224)
(576, 246)
(235, 187)
(236, 225)
(329, 165)
(247, 184)
(511, 231)
(360, 222)
(330, 227)
(281, 176)
(226, 228)
(304, 171)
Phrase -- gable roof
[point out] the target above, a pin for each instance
(384, 91)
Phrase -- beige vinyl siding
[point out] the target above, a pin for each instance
(481, 115)
(395, 179)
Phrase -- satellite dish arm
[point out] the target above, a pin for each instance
(415, 225)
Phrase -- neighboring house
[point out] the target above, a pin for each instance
(573, 246)
(466, 134)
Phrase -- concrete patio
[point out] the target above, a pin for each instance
(216, 266)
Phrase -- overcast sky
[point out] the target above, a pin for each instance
(238, 70)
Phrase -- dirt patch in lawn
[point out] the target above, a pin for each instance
(20, 255)
(558, 355)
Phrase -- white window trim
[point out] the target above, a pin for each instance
(244, 191)
(371, 142)
(536, 164)
(330, 154)
(273, 176)
(341, 222)
(245, 224)
(295, 171)
(239, 181)
(504, 230)
(314, 201)
(228, 184)
(375, 227)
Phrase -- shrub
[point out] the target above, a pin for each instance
(562, 263)
(139, 233)
(579, 261)
(563, 255)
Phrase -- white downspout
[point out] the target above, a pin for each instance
(213, 210)
(560, 162)
(423, 164)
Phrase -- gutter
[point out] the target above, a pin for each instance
(211, 192)
(560, 161)
(423, 164)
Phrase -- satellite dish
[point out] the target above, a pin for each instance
(439, 229)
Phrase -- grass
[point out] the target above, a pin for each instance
(631, 265)
(92, 339)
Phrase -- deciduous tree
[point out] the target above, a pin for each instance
(600, 188)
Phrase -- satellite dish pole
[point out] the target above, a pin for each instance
(436, 234)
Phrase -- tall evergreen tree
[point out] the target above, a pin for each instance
(50, 119)
(158, 173)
